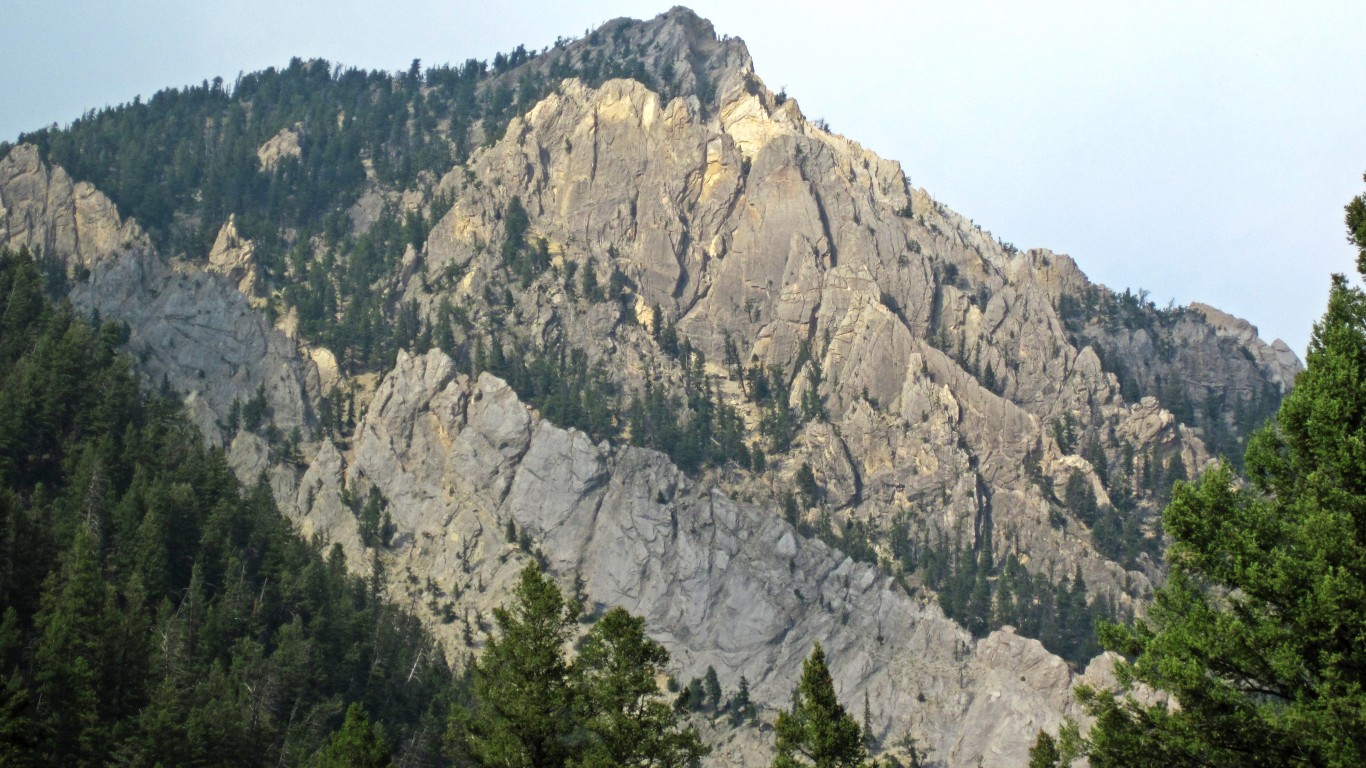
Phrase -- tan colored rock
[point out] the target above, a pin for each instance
(234, 257)
(278, 147)
(1277, 356)
(43, 209)
(329, 372)
(947, 359)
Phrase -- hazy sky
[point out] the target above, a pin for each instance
(1201, 150)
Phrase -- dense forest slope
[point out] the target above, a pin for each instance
(153, 611)
(619, 306)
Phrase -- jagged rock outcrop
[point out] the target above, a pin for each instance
(234, 257)
(188, 327)
(281, 146)
(719, 582)
(1276, 357)
(791, 241)
(946, 358)
(43, 209)
(678, 53)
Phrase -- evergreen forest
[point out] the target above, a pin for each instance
(155, 612)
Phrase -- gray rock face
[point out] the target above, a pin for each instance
(945, 357)
(678, 52)
(1276, 357)
(197, 331)
(192, 328)
(719, 582)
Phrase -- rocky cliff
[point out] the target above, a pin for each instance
(952, 409)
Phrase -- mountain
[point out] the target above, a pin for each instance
(618, 307)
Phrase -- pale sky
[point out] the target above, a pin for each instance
(1201, 150)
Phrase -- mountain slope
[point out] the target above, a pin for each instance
(650, 246)
(152, 610)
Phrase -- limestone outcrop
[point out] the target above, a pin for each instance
(43, 209)
(234, 257)
(189, 327)
(281, 146)
(720, 582)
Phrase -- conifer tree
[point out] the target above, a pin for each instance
(525, 713)
(69, 659)
(869, 740)
(817, 731)
(355, 745)
(711, 686)
(624, 719)
(1044, 753)
(741, 707)
(1258, 633)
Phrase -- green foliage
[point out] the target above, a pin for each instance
(560, 383)
(1257, 634)
(256, 410)
(1044, 753)
(185, 160)
(152, 610)
(695, 431)
(711, 687)
(1049, 752)
(345, 295)
(525, 260)
(625, 720)
(1065, 433)
(984, 593)
(1136, 341)
(534, 707)
(812, 406)
(1117, 530)
(741, 707)
(355, 744)
(1356, 227)
(807, 486)
(526, 701)
(1080, 498)
(375, 525)
(189, 154)
(817, 731)
(592, 290)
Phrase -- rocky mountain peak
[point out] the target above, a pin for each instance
(1276, 357)
(676, 54)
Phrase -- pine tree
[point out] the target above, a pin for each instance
(69, 659)
(741, 707)
(1258, 632)
(619, 708)
(1044, 753)
(16, 727)
(817, 731)
(869, 739)
(354, 745)
(525, 713)
(711, 686)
